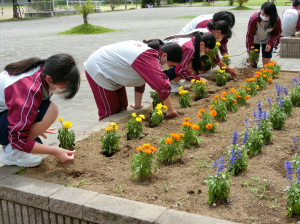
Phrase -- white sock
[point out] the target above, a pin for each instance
(8, 148)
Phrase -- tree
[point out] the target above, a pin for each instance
(114, 4)
(85, 9)
(241, 2)
(231, 2)
(15, 5)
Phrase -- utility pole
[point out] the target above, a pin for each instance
(125, 4)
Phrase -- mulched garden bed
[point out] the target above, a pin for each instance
(180, 186)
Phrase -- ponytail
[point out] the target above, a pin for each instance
(209, 41)
(61, 68)
(221, 25)
(173, 50)
(17, 68)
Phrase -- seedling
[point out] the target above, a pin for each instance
(165, 186)
(201, 164)
(20, 170)
(120, 189)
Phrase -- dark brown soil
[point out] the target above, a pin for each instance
(187, 191)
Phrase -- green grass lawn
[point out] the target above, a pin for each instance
(88, 29)
(241, 8)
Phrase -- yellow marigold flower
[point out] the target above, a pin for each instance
(133, 114)
(217, 124)
(138, 119)
(159, 112)
(67, 125)
(197, 81)
(107, 129)
(146, 145)
(252, 47)
(213, 113)
(228, 55)
(223, 67)
(209, 126)
(142, 116)
(218, 44)
(166, 108)
(181, 92)
(193, 80)
(116, 127)
(185, 91)
(181, 87)
(224, 77)
(148, 151)
(139, 149)
(220, 70)
(60, 119)
(256, 50)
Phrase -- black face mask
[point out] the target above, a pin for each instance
(203, 58)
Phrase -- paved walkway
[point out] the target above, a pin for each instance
(24, 39)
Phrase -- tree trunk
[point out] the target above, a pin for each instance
(15, 2)
(85, 19)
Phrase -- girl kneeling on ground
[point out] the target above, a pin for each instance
(130, 64)
(264, 29)
(26, 111)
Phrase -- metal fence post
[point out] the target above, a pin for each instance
(67, 5)
(53, 5)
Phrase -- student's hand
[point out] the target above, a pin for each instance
(171, 114)
(205, 80)
(64, 156)
(48, 131)
(231, 70)
(137, 106)
(268, 48)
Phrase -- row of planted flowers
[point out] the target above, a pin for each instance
(171, 147)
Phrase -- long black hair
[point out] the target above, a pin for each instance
(209, 41)
(61, 68)
(296, 3)
(221, 25)
(173, 50)
(270, 10)
(225, 15)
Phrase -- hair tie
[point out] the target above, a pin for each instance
(43, 61)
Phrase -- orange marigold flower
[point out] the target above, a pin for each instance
(257, 76)
(139, 149)
(209, 126)
(168, 140)
(187, 124)
(201, 110)
(199, 114)
(186, 119)
(242, 86)
(210, 107)
(262, 70)
(248, 88)
(232, 90)
(224, 93)
(216, 97)
(148, 151)
(247, 97)
(238, 96)
(147, 145)
(265, 76)
(269, 80)
(213, 113)
(153, 148)
(181, 134)
(234, 102)
(271, 71)
(195, 127)
(216, 101)
(223, 98)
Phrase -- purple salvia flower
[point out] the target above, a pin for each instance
(281, 103)
(235, 138)
(254, 115)
(289, 167)
(221, 165)
(294, 81)
(215, 165)
(232, 158)
(265, 115)
(298, 174)
(285, 90)
(246, 123)
(239, 156)
(295, 142)
(246, 136)
(269, 101)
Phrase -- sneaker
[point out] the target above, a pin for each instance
(19, 158)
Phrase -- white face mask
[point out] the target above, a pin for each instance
(264, 18)
(165, 66)
(57, 91)
(219, 39)
(202, 52)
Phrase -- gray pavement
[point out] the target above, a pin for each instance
(38, 38)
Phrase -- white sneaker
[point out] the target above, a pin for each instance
(19, 158)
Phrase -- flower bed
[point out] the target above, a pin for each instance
(256, 195)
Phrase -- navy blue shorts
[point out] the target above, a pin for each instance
(4, 122)
(170, 73)
(264, 53)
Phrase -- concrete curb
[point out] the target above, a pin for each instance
(27, 200)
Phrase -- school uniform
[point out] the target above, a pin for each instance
(257, 34)
(24, 100)
(126, 64)
(290, 22)
(201, 22)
